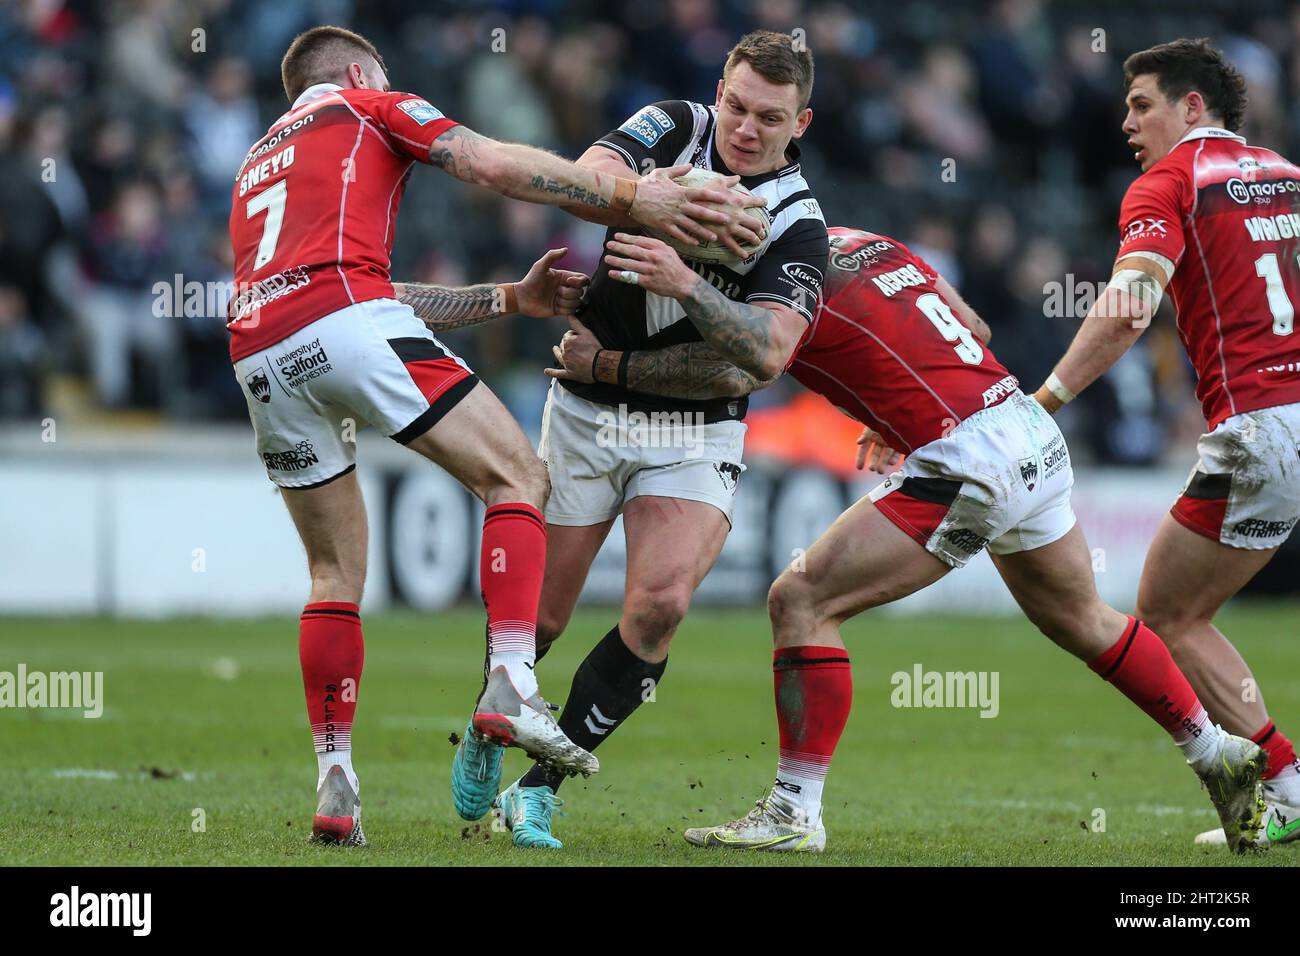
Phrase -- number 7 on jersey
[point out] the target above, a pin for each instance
(272, 200)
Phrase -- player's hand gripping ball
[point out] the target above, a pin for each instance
(714, 250)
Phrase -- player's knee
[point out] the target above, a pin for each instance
(1167, 620)
(526, 480)
(536, 482)
(788, 598)
(1081, 629)
(655, 614)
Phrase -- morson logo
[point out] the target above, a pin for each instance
(1242, 193)
(862, 256)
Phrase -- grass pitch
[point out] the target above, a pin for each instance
(204, 722)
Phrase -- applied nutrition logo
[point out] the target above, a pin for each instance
(53, 690)
(77, 909)
(300, 456)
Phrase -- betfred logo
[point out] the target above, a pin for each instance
(1146, 228)
(648, 126)
(422, 111)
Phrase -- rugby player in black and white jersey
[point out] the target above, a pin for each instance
(674, 486)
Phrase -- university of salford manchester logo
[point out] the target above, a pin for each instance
(1029, 472)
(259, 385)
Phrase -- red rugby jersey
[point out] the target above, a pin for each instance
(887, 349)
(1227, 214)
(315, 206)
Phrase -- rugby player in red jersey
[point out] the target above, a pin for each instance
(1213, 223)
(322, 341)
(893, 345)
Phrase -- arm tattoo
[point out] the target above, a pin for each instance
(691, 370)
(577, 195)
(456, 152)
(606, 366)
(443, 308)
(741, 333)
(530, 174)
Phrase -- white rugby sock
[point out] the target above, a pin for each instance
(342, 758)
(798, 788)
(513, 645)
(1203, 749)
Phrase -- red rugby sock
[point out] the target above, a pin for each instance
(331, 651)
(511, 564)
(814, 693)
(1281, 754)
(1141, 668)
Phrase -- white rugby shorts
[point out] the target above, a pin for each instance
(1244, 490)
(373, 362)
(601, 456)
(1000, 480)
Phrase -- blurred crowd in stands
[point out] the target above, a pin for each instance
(984, 134)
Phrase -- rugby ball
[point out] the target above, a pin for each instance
(715, 251)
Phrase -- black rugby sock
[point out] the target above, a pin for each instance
(607, 687)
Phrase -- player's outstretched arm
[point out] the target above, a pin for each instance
(542, 293)
(740, 230)
(1112, 325)
(690, 370)
(534, 175)
(600, 159)
(444, 307)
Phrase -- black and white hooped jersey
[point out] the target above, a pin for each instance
(790, 269)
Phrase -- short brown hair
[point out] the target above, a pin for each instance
(1185, 65)
(777, 58)
(321, 54)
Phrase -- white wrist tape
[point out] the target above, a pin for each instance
(1063, 394)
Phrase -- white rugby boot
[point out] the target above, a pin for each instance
(504, 717)
(338, 812)
(1234, 787)
(1281, 823)
(772, 826)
